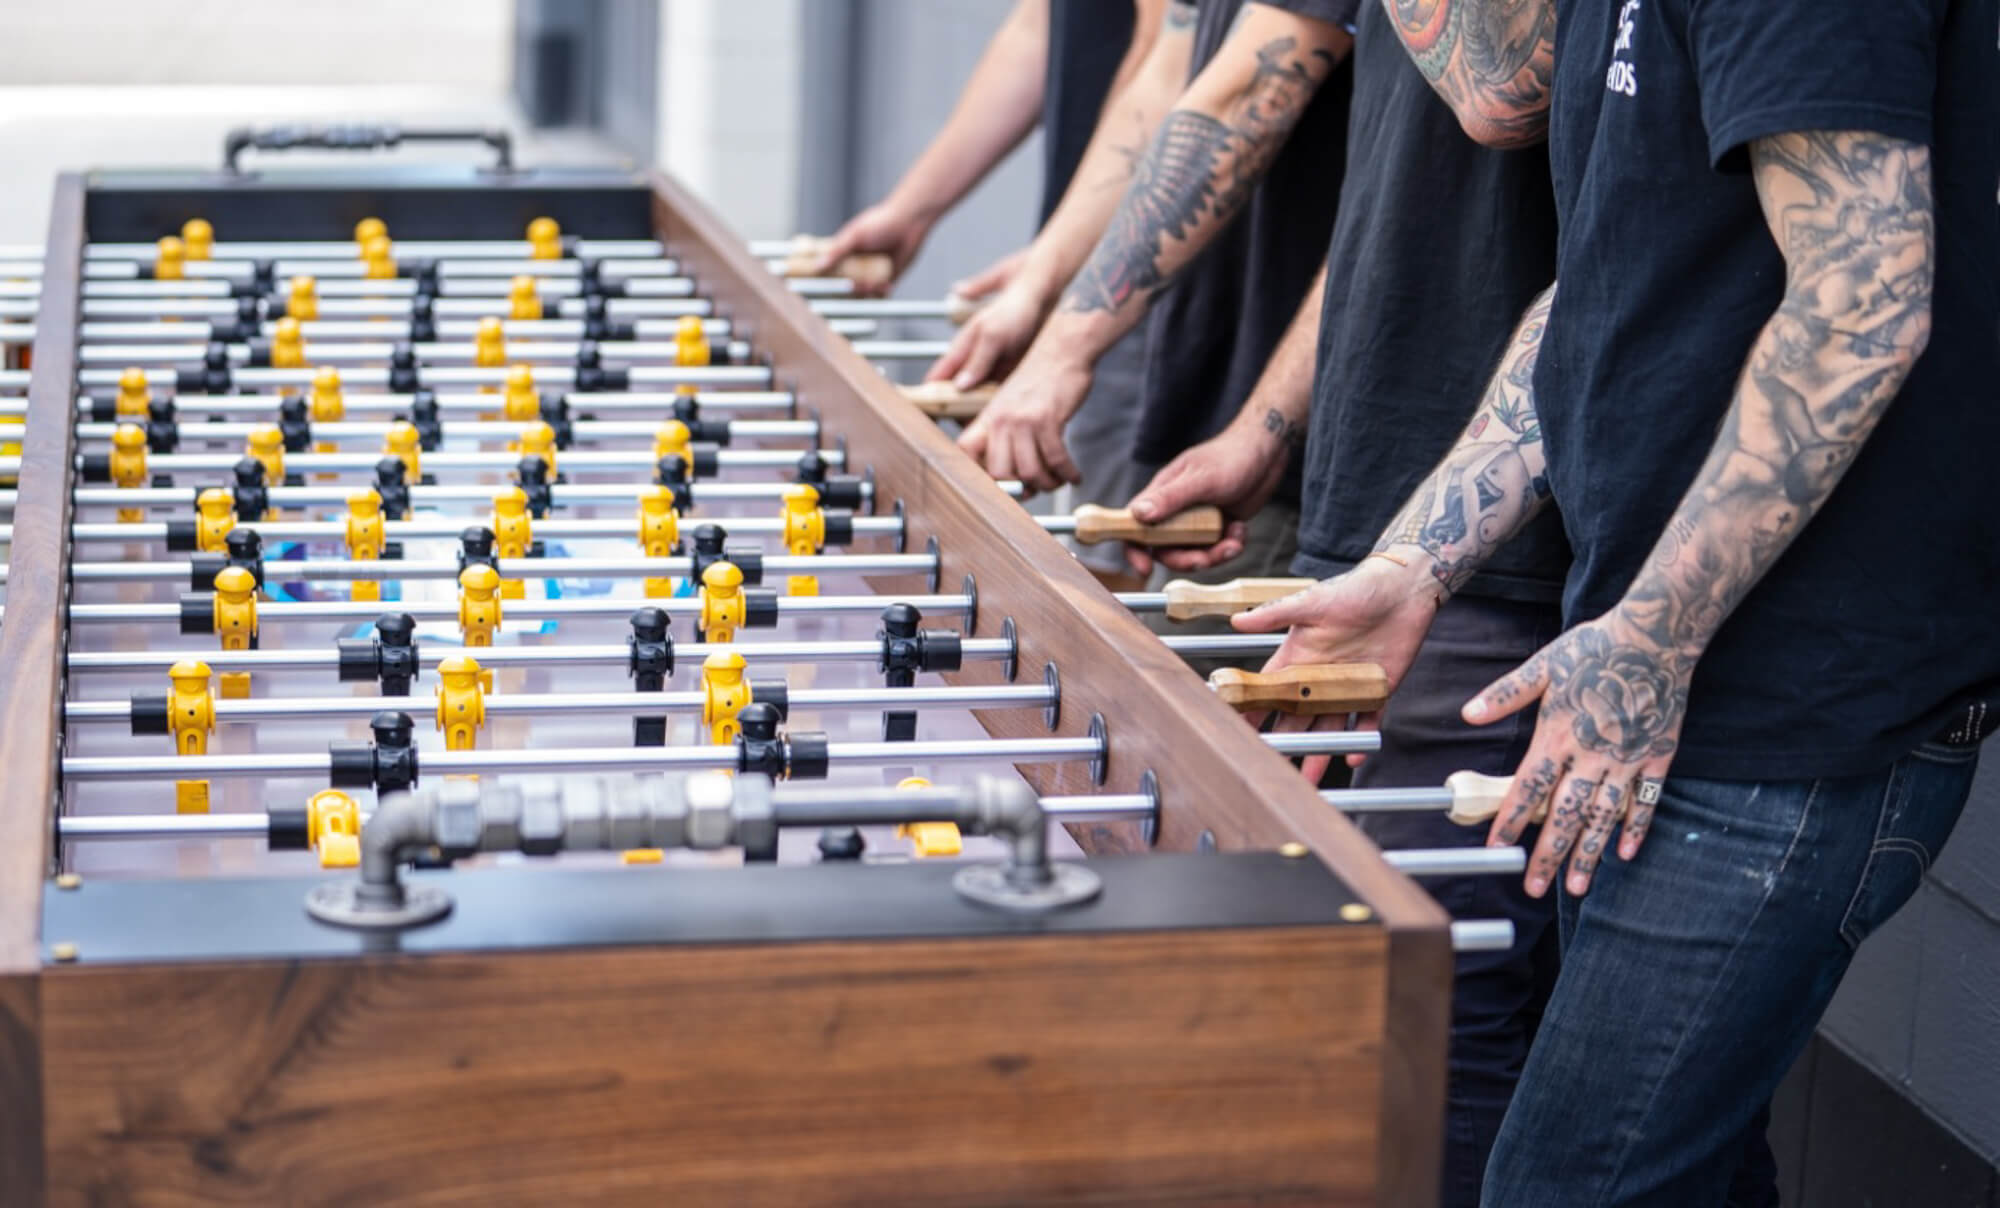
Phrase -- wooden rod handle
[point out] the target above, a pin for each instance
(1196, 526)
(1187, 600)
(869, 270)
(942, 400)
(1308, 688)
(1476, 797)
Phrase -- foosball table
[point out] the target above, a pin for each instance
(505, 702)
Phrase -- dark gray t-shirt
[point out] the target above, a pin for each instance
(1087, 41)
(1439, 247)
(1210, 333)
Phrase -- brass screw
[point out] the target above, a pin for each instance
(1355, 912)
(64, 951)
(69, 880)
(1293, 851)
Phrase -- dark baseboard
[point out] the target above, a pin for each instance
(1846, 1137)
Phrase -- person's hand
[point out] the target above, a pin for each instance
(882, 227)
(991, 279)
(1020, 433)
(992, 341)
(1376, 613)
(1236, 471)
(1613, 699)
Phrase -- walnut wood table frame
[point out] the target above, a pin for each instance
(1221, 1028)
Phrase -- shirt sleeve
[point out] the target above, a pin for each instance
(1778, 66)
(1334, 12)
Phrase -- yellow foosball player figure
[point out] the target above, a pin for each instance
(235, 617)
(302, 299)
(333, 827)
(544, 239)
(520, 402)
(191, 719)
(128, 465)
(724, 692)
(805, 533)
(170, 259)
(513, 536)
(366, 537)
(135, 395)
(659, 533)
(723, 609)
(215, 519)
(288, 344)
(378, 259)
(461, 702)
(198, 239)
(929, 838)
(524, 298)
(479, 604)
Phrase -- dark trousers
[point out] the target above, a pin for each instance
(1693, 975)
(1498, 996)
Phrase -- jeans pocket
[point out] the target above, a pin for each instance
(1919, 806)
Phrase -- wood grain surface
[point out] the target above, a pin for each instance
(1217, 778)
(31, 676)
(1201, 1067)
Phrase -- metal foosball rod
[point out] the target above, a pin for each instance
(659, 404)
(225, 377)
(549, 289)
(562, 494)
(569, 608)
(367, 656)
(491, 462)
(406, 306)
(568, 760)
(585, 430)
(438, 527)
(293, 570)
(230, 329)
(349, 356)
(588, 704)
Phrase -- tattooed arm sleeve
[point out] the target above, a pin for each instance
(1203, 163)
(1129, 118)
(1491, 60)
(1494, 480)
(1852, 214)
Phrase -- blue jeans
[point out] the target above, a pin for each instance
(1693, 976)
(1497, 997)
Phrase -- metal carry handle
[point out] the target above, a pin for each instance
(358, 137)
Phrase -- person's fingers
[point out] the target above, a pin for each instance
(1313, 768)
(1600, 820)
(1527, 793)
(1054, 454)
(1359, 722)
(999, 458)
(1140, 559)
(953, 360)
(1028, 465)
(978, 364)
(1510, 693)
(1172, 490)
(1645, 800)
(1187, 561)
(974, 439)
(1234, 535)
(1269, 618)
(836, 248)
(1559, 833)
(986, 281)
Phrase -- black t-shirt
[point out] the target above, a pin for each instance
(1087, 41)
(1210, 333)
(1877, 624)
(1439, 248)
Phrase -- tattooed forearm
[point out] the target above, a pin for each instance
(1852, 214)
(1494, 479)
(1289, 432)
(1491, 60)
(1195, 176)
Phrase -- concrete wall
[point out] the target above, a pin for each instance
(1921, 1006)
(438, 43)
(882, 76)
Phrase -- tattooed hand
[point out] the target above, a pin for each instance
(1612, 703)
(1020, 433)
(1376, 613)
